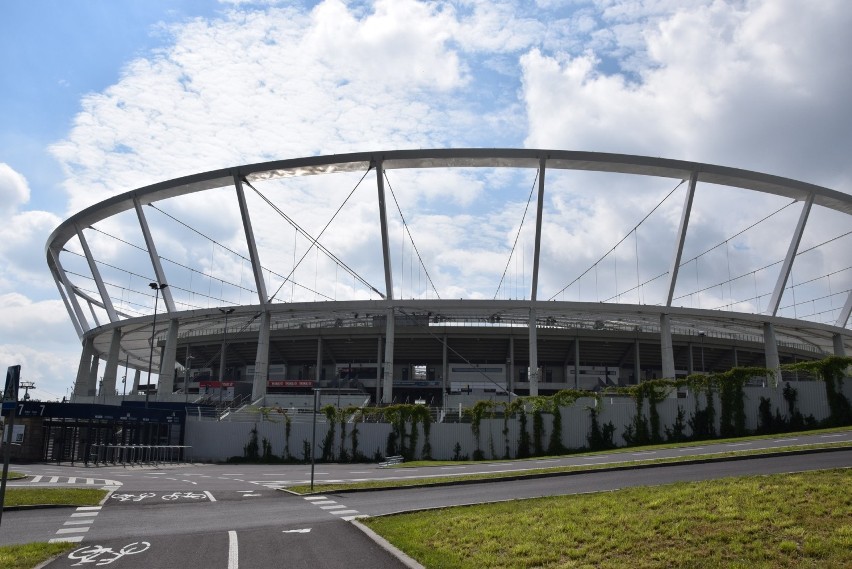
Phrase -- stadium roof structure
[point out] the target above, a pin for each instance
(111, 260)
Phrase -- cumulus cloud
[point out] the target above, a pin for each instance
(14, 190)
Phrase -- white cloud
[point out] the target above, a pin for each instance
(14, 190)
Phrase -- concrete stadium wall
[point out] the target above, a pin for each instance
(218, 440)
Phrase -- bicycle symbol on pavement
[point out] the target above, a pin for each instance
(100, 555)
(167, 497)
(188, 495)
(133, 497)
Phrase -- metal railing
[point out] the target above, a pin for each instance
(138, 454)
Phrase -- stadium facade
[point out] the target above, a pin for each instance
(257, 344)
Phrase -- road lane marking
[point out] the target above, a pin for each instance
(88, 508)
(341, 512)
(312, 498)
(358, 517)
(829, 436)
(71, 538)
(84, 514)
(323, 502)
(336, 507)
(233, 551)
(72, 530)
(210, 496)
(784, 440)
(303, 530)
(78, 522)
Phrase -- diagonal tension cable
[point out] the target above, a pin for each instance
(315, 240)
(410, 237)
(595, 264)
(517, 236)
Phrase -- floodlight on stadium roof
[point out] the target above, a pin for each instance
(291, 250)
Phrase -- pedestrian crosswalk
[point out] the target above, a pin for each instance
(40, 480)
(332, 507)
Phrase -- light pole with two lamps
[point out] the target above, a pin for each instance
(224, 311)
(157, 288)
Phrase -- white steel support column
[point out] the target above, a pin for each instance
(257, 268)
(667, 352)
(533, 371)
(155, 258)
(69, 290)
(166, 379)
(81, 384)
(577, 363)
(318, 369)
(111, 369)
(637, 362)
(379, 374)
(445, 368)
(387, 380)
(770, 346)
(778, 292)
(261, 362)
(68, 307)
(844, 312)
(99, 282)
(681, 237)
(839, 348)
(510, 366)
(136, 377)
(92, 387)
(538, 222)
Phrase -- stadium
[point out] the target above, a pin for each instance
(238, 324)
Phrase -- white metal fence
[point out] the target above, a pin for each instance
(218, 440)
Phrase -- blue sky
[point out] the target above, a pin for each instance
(99, 98)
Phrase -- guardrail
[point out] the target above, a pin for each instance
(138, 454)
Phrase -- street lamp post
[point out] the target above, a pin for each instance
(224, 311)
(157, 288)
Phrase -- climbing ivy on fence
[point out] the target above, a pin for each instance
(831, 371)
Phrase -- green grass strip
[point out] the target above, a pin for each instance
(13, 475)
(29, 555)
(54, 496)
(433, 480)
(787, 520)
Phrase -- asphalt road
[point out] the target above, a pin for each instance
(211, 516)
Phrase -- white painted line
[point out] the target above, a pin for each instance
(72, 481)
(821, 436)
(784, 440)
(358, 517)
(312, 498)
(341, 512)
(37, 478)
(233, 474)
(239, 479)
(71, 538)
(250, 495)
(233, 551)
(72, 530)
(209, 496)
(304, 530)
(323, 502)
(77, 522)
(337, 507)
(644, 453)
(54, 479)
(451, 467)
(84, 514)
(88, 508)
(689, 449)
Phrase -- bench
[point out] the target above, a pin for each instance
(391, 460)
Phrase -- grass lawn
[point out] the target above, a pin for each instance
(62, 496)
(785, 520)
(406, 483)
(15, 475)
(29, 555)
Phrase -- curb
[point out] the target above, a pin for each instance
(37, 507)
(615, 468)
(403, 558)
